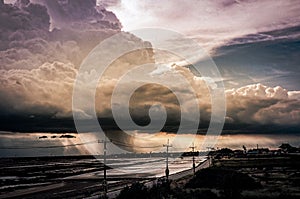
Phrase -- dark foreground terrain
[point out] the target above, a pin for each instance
(234, 178)
(246, 177)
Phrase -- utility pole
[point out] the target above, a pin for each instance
(193, 151)
(167, 159)
(104, 167)
(208, 155)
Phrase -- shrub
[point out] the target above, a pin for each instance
(135, 191)
(222, 179)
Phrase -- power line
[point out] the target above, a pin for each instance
(46, 147)
(179, 147)
(117, 142)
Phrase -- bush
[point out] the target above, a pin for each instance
(160, 190)
(222, 179)
(138, 190)
(135, 191)
(194, 194)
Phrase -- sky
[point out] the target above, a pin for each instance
(44, 43)
(258, 38)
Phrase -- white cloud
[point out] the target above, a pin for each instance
(32, 53)
(42, 91)
(265, 105)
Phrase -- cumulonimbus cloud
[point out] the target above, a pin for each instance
(38, 68)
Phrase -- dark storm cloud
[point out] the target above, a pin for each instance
(51, 125)
(26, 39)
(251, 109)
(23, 16)
(79, 14)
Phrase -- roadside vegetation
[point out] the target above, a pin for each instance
(207, 183)
(210, 183)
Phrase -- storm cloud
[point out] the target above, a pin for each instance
(44, 42)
